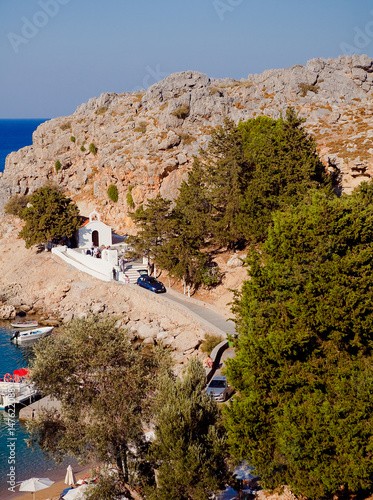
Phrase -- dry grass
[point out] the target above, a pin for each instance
(141, 127)
(186, 138)
(65, 126)
(305, 87)
(181, 112)
(101, 110)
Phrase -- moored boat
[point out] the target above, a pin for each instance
(24, 324)
(25, 336)
(16, 389)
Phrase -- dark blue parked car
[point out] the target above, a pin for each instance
(151, 284)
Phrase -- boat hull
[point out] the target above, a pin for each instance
(30, 335)
(24, 324)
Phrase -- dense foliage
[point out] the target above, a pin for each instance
(103, 383)
(189, 450)
(50, 214)
(248, 172)
(166, 241)
(304, 358)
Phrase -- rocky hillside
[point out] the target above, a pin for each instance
(144, 142)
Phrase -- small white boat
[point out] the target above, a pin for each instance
(24, 324)
(25, 336)
(16, 389)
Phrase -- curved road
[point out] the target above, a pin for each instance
(226, 326)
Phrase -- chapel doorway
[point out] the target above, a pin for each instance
(95, 241)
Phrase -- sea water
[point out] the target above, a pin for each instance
(14, 451)
(15, 134)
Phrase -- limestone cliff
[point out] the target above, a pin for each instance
(145, 142)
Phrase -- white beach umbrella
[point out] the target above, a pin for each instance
(70, 478)
(78, 493)
(35, 484)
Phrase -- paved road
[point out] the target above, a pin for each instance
(226, 326)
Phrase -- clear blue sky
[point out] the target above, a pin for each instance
(56, 54)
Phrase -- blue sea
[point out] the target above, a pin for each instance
(28, 462)
(15, 134)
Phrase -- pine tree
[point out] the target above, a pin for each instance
(155, 224)
(284, 167)
(247, 173)
(304, 355)
(50, 214)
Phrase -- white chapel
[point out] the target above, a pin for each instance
(94, 232)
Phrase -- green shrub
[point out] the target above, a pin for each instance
(211, 276)
(65, 126)
(72, 139)
(141, 127)
(181, 112)
(16, 203)
(93, 149)
(113, 192)
(129, 198)
(58, 165)
(101, 110)
(82, 147)
(210, 342)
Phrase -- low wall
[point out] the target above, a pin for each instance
(62, 253)
(159, 303)
(99, 265)
(215, 356)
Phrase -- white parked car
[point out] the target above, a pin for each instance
(219, 389)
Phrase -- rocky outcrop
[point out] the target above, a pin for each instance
(145, 142)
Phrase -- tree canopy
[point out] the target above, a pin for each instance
(248, 171)
(167, 241)
(189, 451)
(50, 214)
(103, 383)
(303, 415)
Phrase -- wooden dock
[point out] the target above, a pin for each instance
(31, 411)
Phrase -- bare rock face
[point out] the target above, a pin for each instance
(7, 312)
(170, 141)
(144, 142)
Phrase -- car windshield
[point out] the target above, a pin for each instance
(217, 384)
(153, 281)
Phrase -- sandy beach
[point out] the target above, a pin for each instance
(52, 493)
